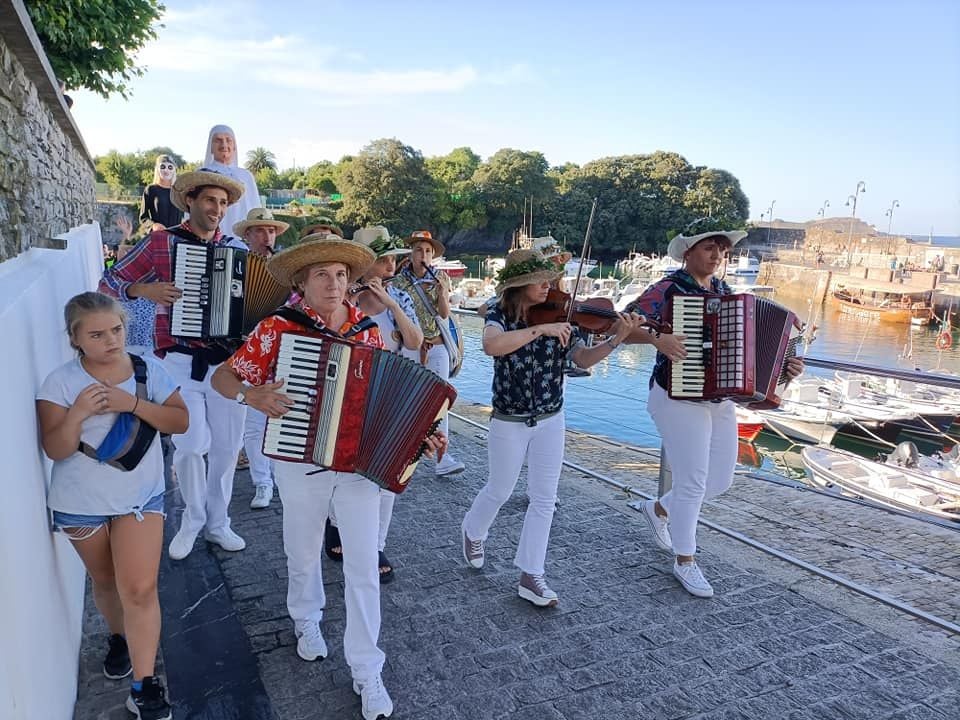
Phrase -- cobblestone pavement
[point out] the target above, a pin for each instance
(625, 640)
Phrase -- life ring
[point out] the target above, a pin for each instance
(944, 340)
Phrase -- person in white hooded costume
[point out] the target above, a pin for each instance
(221, 155)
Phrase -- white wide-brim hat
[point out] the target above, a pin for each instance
(378, 239)
(317, 249)
(681, 243)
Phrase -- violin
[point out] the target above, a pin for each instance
(596, 315)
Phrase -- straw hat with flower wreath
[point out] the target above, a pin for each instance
(202, 178)
(525, 267)
(321, 225)
(378, 239)
(320, 248)
(425, 236)
(259, 217)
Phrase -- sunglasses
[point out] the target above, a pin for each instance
(165, 166)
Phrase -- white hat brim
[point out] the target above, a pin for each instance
(680, 244)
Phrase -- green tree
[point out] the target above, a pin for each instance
(320, 177)
(457, 204)
(268, 179)
(92, 44)
(506, 180)
(119, 170)
(387, 182)
(259, 159)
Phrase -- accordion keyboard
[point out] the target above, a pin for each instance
(689, 374)
(186, 319)
(298, 363)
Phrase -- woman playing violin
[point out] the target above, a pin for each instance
(528, 421)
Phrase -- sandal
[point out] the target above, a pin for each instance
(331, 542)
(385, 577)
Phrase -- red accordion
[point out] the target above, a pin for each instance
(737, 347)
(357, 409)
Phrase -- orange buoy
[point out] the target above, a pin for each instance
(944, 340)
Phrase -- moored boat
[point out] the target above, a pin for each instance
(895, 487)
(884, 301)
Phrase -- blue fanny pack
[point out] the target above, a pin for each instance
(130, 437)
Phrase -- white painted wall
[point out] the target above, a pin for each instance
(41, 577)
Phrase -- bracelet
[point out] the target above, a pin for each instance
(137, 402)
(611, 343)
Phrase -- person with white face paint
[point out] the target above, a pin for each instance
(155, 205)
(222, 155)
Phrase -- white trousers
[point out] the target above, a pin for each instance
(508, 445)
(306, 500)
(438, 360)
(700, 441)
(216, 430)
(261, 467)
(387, 499)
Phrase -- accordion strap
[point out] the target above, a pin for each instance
(288, 312)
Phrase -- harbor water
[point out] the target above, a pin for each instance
(612, 400)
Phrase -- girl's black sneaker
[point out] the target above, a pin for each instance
(150, 703)
(116, 664)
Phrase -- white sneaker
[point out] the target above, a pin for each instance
(374, 700)
(182, 544)
(225, 538)
(534, 588)
(262, 497)
(692, 579)
(449, 465)
(310, 642)
(472, 550)
(659, 525)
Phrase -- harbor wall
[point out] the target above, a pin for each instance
(46, 173)
(42, 578)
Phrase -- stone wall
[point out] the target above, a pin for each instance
(46, 172)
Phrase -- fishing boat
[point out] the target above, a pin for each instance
(884, 301)
(896, 487)
(453, 268)
(746, 269)
(473, 293)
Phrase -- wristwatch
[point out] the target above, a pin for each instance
(242, 397)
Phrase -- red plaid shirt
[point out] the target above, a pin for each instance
(151, 261)
(256, 360)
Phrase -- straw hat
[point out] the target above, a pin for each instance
(425, 236)
(681, 243)
(377, 238)
(525, 267)
(321, 225)
(259, 217)
(201, 178)
(550, 249)
(320, 248)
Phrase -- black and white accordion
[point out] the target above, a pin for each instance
(357, 408)
(737, 347)
(226, 291)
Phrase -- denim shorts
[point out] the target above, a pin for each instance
(63, 520)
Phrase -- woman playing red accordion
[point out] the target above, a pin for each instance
(320, 270)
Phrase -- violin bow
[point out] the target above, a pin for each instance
(583, 256)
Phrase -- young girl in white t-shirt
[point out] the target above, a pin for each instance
(114, 516)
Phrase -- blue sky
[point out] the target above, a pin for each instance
(798, 100)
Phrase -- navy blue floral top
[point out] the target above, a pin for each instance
(528, 381)
(653, 302)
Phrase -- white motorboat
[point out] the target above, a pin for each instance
(746, 270)
(573, 265)
(895, 487)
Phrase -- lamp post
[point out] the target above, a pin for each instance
(889, 214)
(861, 187)
(822, 212)
(770, 220)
